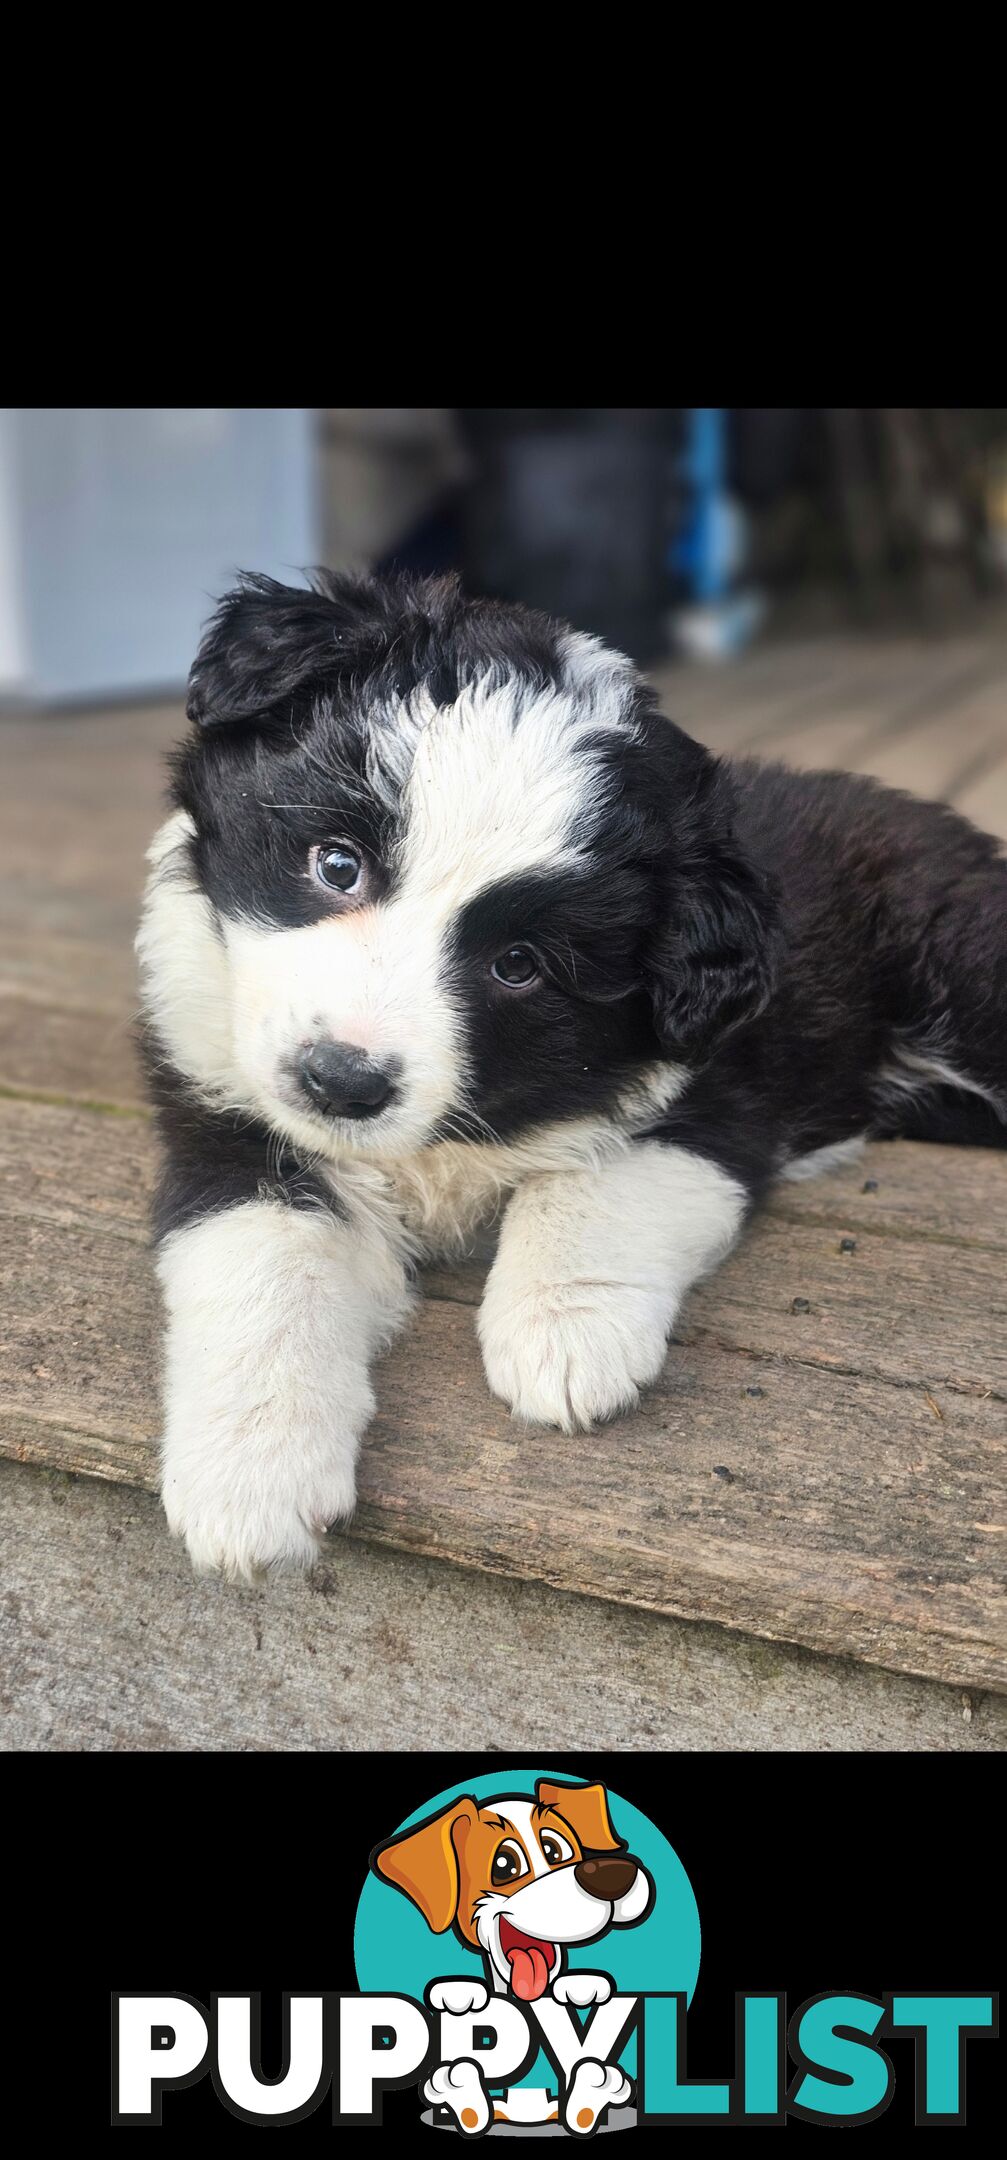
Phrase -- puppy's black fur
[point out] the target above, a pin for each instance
(824, 956)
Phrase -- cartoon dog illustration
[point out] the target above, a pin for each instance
(521, 1879)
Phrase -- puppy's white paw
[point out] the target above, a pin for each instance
(458, 2086)
(572, 1353)
(595, 2086)
(582, 1988)
(274, 1314)
(458, 1996)
(250, 1507)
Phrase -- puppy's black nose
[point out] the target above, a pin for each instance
(344, 1082)
(609, 1876)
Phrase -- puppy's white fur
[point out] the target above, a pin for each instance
(274, 1316)
(594, 2086)
(183, 970)
(589, 1275)
(275, 1313)
(459, 2086)
(822, 1159)
(494, 786)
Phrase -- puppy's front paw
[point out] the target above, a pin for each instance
(571, 1353)
(582, 1988)
(246, 1507)
(458, 1996)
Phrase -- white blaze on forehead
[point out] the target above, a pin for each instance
(502, 782)
(519, 1814)
(505, 781)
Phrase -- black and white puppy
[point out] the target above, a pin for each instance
(449, 920)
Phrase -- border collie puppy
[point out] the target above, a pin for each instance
(449, 921)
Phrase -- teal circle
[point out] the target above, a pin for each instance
(395, 1952)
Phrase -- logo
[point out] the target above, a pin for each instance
(526, 1950)
(529, 1924)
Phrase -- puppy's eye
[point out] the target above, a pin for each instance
(508, 1863)
(338, 866)
(516, 967)
(555, 1848)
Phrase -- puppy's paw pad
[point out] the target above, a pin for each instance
(459, 2087)
(595, 2086)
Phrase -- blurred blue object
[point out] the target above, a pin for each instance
(120, 527)
(708, 554)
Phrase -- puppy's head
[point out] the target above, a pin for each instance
(520, 1878)
(466, 878)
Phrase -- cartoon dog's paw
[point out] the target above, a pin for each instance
(596, 2086)
(571, 1353)
(459, 2087)
(582, 1988)
(247, 1512)
(458, 1996)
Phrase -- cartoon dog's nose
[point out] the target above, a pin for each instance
(609, 1876)
(343, 1081)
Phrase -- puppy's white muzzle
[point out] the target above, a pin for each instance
(554, 1911)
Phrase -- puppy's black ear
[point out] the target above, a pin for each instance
(269, 646)
(713, 963)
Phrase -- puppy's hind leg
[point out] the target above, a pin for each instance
(594, 2088)
(459, 2088)
(951, 1066)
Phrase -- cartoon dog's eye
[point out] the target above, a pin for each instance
(555, 1848)
(338, 866)
(516, 967)
(508, 1863)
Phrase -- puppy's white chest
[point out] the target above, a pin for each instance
(444, 1194)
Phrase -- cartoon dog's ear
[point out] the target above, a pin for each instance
(268, 646)
(424, 1862)
(585, 1808)
(713, 962)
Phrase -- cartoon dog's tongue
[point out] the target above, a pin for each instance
(529, 1973)
(529, 1961)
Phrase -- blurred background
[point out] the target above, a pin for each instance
(688, 533)
(829, 587)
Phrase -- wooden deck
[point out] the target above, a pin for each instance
(823, 1460)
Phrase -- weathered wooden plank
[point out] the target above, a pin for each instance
(856, 694)
(850, 1518)
(918, 720)
(743, 720)
(898, 1189)
(763, 670)
(930, 757)
(82, 795)
(905, 1310)
(68, 1052)
(921, 1294)
(913, 1312)
(794, 1476)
